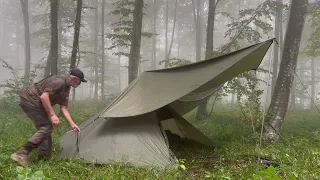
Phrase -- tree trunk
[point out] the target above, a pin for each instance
(60, 63)
(25, 12)
(135, 40)
(47, 69)
(293, 94)
(154, 37)
(173, 30)
(202, 109)
(280, 9)
(54, 37)
(197, 21)
(279, 102)
(313, 88)
(3, 24)
(102, 49)
(52, 60)
(96, 65)
(301, 76)
(166, 33)
(276, 46)
(178, 39)
(75, 45)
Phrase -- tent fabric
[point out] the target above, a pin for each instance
(155, 89)
(133, 128)
(136, 141)
(139, 140)
(181, 127)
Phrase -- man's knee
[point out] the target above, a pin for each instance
(46, 129)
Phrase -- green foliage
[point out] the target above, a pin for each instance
(313, 47)
(269, 174)
(122, 30)
(248, 97)
(25, 173)
(249, 28)
(175, 62)
(14, 85)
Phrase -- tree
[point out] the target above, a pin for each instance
(75, 47)
(313, 47)
(134, 56)
(197, 14)
(154, 37)
(25, 12)
(52, 61)
(202, 109)
(96, 65)
(279, 102)
(173, 30)
(277, 30)
(102, 48)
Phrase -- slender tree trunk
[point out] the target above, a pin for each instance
(3, 26)
(279, 102)
(276, 46)
(293, 94)
(52, 61)
(313, 88)
(75, 46)
(202, 109)
(197, 23)
(119, 74)
(102, 49)
(178, 39)
(18, 53)
(301, 76)
(54, 37)
(47, 69)
(25, 12)
(173, 30)
(96, 62)
(60, 31)
(280, 9)
(154, 37)
(166, 33)
(134, 56)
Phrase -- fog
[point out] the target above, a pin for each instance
(230, 16)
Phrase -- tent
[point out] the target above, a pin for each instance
(135, 128)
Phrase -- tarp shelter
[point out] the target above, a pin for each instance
(132, 129)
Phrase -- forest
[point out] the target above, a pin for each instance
(264, 122)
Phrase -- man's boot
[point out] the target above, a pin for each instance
(22, 155)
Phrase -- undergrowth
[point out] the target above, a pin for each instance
(296, 156)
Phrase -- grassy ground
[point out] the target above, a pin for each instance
(235, 157)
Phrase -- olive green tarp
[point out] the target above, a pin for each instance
(132, 129)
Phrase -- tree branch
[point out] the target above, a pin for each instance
(242, 28)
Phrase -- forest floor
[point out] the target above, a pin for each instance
(296, 156)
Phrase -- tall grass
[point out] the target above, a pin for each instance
(235, 157)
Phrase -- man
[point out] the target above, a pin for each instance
(37, 101)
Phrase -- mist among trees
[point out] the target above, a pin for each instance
(115, 41)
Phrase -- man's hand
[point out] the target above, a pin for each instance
(55, 120)
(67, 116)
(75, 128)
